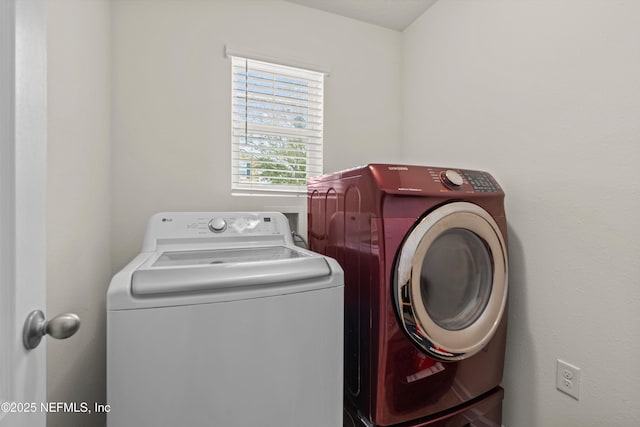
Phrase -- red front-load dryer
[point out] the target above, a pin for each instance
(425, 259)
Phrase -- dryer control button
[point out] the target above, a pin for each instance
(217, 225)
(452, 178)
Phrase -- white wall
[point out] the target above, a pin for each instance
(79, 214)
(546, 95)
(171, 110)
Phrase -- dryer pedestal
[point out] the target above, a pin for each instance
(485, 411)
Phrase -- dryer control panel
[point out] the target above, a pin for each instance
(429, 180)
(189, 227)
(455, 179)
(480, 181)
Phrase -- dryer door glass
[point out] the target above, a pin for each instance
(456, 279)
(450, 281)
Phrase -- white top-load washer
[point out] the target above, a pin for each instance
(222, 321)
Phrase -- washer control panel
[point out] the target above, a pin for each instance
(217, 225)
(236, 224)
(173, 227)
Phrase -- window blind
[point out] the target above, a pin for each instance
(277, 124)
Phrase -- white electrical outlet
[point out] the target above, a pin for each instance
(568, 379)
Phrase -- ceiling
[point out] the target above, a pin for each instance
(394, 14)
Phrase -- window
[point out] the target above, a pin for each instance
(277, 115)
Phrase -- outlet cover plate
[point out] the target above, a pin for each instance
(568, 379)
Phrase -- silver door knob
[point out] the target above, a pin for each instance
(60, 327)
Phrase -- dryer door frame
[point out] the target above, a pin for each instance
(474, 329)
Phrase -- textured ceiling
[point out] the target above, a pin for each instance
(393, 14)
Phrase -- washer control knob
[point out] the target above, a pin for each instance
(217, 225)
(452, 178)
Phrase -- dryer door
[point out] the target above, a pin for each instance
(450, 281)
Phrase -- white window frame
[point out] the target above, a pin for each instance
(280, 111)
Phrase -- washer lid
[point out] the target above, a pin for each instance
(207, 270)
(222, 256)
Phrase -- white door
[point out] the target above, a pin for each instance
(22, 207)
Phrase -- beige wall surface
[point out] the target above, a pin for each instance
(79, 200)
(546, 96)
